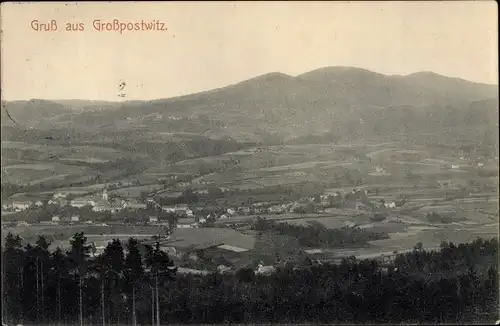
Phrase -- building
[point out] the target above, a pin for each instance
(264, 270)
(75, 218)
(79, 203)
(455, 166)
(38, 203)
(7, 206)
(390, 205)
(21, 205)
(102, 204)
(60, 195)
(349, 224)
(23, 223)
(153, 219)
(56, 219)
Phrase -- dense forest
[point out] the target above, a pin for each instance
(140, 285)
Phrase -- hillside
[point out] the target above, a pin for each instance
(275, 107)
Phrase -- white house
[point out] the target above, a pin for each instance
(56, 218)
(75, 218)
(189, 213)
(455, 166)
(79, 203)
(23, 223)
(38, 203)
(21, 205)
(153, 219)
(184, 226)
(231, 211)
(390, 205)
(480, 164)
(265, 270)
(6, 206)
(379, 169)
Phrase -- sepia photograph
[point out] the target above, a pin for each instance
(249, 162)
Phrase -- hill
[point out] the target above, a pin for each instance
(276, 107)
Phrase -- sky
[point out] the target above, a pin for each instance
(210, 45)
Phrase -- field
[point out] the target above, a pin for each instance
(386, 170)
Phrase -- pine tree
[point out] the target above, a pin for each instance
(78, 259)
(134, 271)
(12, 268)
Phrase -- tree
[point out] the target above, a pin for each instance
(43, 261)
(134, 271)
(419, 246)
(12, 270)
(162, 270)
(77, 257)
(58, 270)
(112, 261)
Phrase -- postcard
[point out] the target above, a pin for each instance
(300, 162)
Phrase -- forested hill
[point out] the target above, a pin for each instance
(458, 284)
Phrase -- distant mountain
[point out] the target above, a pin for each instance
(275, 106)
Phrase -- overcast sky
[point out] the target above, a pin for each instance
(210, 45)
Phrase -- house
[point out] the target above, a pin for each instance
(223, 269)
(75, 218)
(479, 164)
(89, 222)
(23, 223)
(230, 211)
(58, 201)
(101, 206)
(379, 170)
(455, 166)
(7, 207)
(153, 219)
(60, 195)
(38, 203)
(184, 226)
(349, 224)
(390, 205)
(56, 218)
(264, 270)
(79, 203)
(21, 205)
(189, 212)
(223, 217)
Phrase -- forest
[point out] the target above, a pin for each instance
(134, 284)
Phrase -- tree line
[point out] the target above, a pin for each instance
(141, 286)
